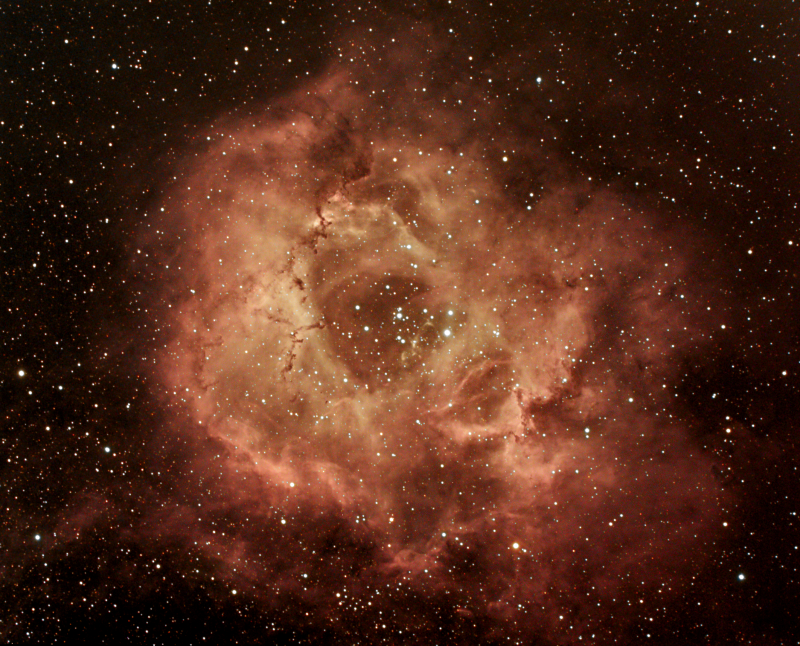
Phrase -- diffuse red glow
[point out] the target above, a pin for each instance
(402, 375)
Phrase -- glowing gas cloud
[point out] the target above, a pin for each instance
(430, 370)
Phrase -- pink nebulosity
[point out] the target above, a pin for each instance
(404, 376)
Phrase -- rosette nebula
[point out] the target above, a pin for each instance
(428, 374)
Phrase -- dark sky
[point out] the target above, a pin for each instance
(403, 323)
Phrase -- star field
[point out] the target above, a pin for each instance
(399, 323)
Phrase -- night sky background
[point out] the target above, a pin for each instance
(400, 323)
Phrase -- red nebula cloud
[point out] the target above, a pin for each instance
(408, 384)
